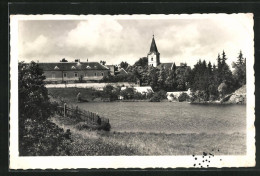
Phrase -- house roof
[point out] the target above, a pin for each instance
(70, 66)
(153, 47)
(165, 66)
(121, 72)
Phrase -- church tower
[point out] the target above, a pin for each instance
(153, 55)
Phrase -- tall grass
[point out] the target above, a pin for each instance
(87, 142)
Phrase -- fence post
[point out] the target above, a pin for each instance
(64, 109)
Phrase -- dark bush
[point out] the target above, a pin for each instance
(44, 139)
(155, 98)
(109, 92)
(158, 96)
(183, 97)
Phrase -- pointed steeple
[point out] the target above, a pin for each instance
(153, 47)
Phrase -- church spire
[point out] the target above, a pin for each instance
(153, 56)
(153, 47)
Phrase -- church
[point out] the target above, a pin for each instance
(153, 57)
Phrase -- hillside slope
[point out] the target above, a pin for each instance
(239, 96)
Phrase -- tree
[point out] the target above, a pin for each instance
(37, 135)
(158, 96)
(153, 78)
(182, 77)
(170, 80)
(33, 95)
(124, 65)
(162, 79)
(222, 88)
(63, 60)
(128, 93)
(102, 62)
(224, 58)
(143, 62)
(183, 97)
(240, 70)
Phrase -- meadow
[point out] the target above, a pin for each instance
(149, 128)
(101, 143)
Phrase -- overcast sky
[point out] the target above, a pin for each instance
(113, 39)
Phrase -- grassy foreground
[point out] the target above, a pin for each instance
(93, 143)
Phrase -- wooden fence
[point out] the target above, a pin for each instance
(87, 116)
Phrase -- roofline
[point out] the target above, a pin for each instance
(64, 62)
(124, 70)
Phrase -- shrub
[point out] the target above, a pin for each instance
(162, 94)
(128, 93)
(155, 98)
(44, 139)
(158, 96)
(109, 92)
(183, 97)
(139, 96)
(149, 94)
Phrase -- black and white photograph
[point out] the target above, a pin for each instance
(133, 91)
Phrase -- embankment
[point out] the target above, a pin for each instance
(238, 97)
(70, 94)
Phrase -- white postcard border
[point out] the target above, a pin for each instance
(74, 162)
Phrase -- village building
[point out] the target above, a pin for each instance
(153, 57)
(111, 69)
(73, 71)
(121, 72)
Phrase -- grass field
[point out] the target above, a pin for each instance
(146, 128)
(96, 143)
(70, 94)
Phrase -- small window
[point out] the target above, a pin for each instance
(152, 64)
(95, 74)
(102, 74)
(88, 67)
(73, 67)
(151, 59)
(75, 74)
(65, 75)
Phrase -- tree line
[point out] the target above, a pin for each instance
(206, 80)
(211, 82)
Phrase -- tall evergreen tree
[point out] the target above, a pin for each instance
(174, 67)
(153, 78)
(170, 80)
(224, 58)
(240, 70)
(219, 62)
(161, 79)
